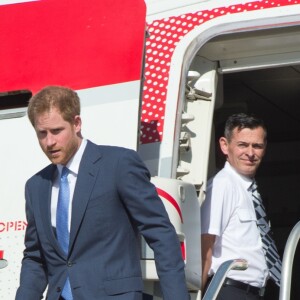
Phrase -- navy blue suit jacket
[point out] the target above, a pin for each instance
(113, 202)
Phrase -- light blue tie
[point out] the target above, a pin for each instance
(62, 223)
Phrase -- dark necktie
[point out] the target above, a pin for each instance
(62, 223)
(270, 250)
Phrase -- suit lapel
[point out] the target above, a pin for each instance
(45, 191)
(87, 174)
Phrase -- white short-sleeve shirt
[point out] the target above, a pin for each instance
(228, 213)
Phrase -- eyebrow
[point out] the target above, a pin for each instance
(248, 143)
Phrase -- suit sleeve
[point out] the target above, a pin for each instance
(149, 215)
(33, 278)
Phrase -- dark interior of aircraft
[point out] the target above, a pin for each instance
(272, 94)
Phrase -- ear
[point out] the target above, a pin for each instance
(77, 123)
(224, 145)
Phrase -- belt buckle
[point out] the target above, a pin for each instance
(262, 291)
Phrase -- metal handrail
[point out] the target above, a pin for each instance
(287, 263)
(218, 279)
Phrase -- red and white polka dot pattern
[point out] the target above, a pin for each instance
(164, 37)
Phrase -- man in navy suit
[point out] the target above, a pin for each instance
(111, 202)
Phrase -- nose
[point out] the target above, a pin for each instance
(250, 152)
(50, 140)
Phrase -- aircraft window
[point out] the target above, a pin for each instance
(14, 99)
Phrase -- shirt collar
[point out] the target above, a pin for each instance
(245, 181)
(74, 162)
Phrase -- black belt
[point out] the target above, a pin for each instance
(244, 286)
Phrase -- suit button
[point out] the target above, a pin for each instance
(58, 289)
(69, 264)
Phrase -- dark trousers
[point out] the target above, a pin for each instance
(233, 293)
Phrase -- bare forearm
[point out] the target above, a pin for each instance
(207, 243)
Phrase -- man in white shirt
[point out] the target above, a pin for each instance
(229, 222)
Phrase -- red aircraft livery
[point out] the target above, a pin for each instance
(92, 43)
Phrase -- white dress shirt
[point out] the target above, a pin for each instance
(73, 166)
(228, 213)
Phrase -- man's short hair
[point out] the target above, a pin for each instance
(242, 121)
(64, 99)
